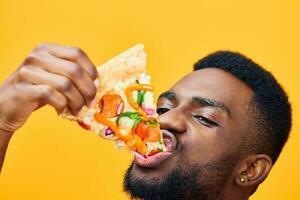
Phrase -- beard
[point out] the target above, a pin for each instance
(196, 182)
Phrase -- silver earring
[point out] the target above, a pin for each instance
(242, 179)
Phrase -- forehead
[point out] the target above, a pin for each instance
(215, 84)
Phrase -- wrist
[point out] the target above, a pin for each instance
(5, 131)
(6, 128)
(5, 134)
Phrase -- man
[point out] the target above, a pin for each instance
(226, 122)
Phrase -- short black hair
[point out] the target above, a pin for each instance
(270, 102)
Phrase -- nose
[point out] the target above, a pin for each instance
(173, 120)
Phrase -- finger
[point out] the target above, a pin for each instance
(44, 94)
(73, 54)
(59, 83)
(66, 68)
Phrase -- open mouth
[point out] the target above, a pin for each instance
(156, 159)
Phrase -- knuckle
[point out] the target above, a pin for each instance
(31, 59)
(74, 70)
(65, 84)
(77, 52)
(46, 91)
(62, 104)
(41, 46)
(23, 72)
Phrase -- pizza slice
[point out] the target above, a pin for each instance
(124, 110)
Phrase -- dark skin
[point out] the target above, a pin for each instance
(209, 107)
(210, 116)
(59, 76)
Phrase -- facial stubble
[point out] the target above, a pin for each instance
(185, 181)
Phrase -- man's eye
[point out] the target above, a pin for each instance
(205, 121)
(161, 111)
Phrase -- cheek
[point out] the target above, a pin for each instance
(202, 145)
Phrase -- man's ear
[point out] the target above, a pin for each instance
(253, 170)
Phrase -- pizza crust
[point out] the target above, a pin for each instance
(129, 64)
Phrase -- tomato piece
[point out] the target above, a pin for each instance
(131, 144)
(154, 151)
(111, 105)
(148, 131)
(137, 144)
(140, 145)
(153, 134)
(83, 125)
(142, 130)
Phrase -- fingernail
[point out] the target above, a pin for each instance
(97, 82)
(78, 113)
(62, 111)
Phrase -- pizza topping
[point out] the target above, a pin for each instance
(149, 111)
(148, 130)
(135, 128)
(124, 111)
(111, 105)
(108, 131)
(142, 130)
(120, 108)
(152, 122)
(99, 117)
(130, 114)
(155, 151)
(137, 144)
(125, 122)
(83, 125)
(153, 135)
(140, 145)
(133, 116)
(140, 97)
(132, 102)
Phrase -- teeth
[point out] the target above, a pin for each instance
(168, 144)
(169, 140)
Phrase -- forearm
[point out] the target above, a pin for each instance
(4, 140)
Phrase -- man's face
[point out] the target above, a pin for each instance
(202, 118)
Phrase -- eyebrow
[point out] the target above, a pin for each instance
(168, 95)
(205, 102)
(201, 101)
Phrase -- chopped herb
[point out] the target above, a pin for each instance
(137, 121)
(131, 115)
(152, 123)
(140, 98)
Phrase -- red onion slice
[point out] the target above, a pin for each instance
(149, 111)
(120, 107)
(108, 131)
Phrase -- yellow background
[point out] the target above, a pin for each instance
(50, 158)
